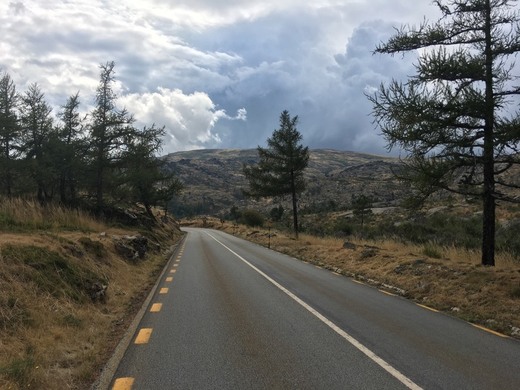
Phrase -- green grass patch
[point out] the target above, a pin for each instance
(51, 272)
(94, 247)
(432, 251)
(13, 313)
(20, 370)
(72, 321)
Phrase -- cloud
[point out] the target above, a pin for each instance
(325, 89)
(185, 64)
(189, 119)
(16, 7)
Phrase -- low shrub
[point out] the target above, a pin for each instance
(252, 218)
(344, 227)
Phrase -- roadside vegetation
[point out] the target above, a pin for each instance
(69, 286)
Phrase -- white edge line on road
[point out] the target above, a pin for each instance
(379, 361)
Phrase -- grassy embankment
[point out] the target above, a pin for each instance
(446, 278)
(53, 335)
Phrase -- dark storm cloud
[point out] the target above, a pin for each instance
(327, 93)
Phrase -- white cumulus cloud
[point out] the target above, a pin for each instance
(189, 119)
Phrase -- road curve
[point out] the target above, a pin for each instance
(233, 315)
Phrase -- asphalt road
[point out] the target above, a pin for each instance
(229, 314)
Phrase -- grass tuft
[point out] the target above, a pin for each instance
(13, 314)
(20, 370)
(432, 250)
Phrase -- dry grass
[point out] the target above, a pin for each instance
(448, 279)
(52, 336)
(21, 215)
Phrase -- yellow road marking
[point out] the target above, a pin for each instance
(427, 308)
(123, 384)
(176, 265)
(172, 271)
(388, 293)
(169, 278)
(163, 290)
(156, 307)
(490, 331)
(144, 336)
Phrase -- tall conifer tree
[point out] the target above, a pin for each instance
(457, 117)
(9, 133)
(280, 169)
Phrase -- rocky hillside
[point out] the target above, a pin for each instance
(214, 181)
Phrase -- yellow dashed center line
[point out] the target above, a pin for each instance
(169, 278)
(156, 307)
(490, 331)
(427, 308)
(172, 271)
(144, 336)
(163, 290)
(176, 265)
(123, 384)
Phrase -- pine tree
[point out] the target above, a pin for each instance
(70, 149)
(36, 129)
(362, 207)
(144, 176)
(455, 117)
(109, 129)
(9, 133)
(280, 169)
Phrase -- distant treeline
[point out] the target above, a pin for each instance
(95, 160)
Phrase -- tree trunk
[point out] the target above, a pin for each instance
(99, 182)
(488, 231)
(41, 195)
(149, 211)
(63, 192)
(488, 214)
(72, 189)
(294, 205)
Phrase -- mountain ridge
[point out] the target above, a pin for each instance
(214, 180)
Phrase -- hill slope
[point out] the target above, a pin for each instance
(214, 179)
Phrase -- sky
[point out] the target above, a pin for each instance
(217, 73)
